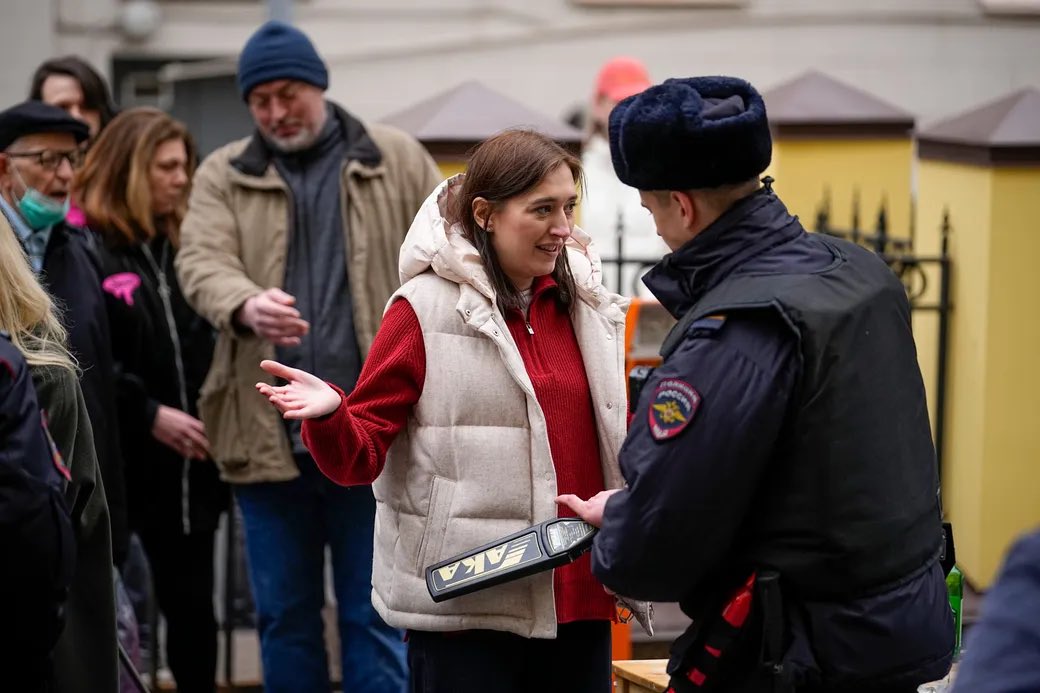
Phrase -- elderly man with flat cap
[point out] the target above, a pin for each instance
(39, 148)
(781, 477)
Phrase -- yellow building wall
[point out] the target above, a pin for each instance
(1011, 490)
(991, 479)
(880, 169)
(964, 191)
(450, 167)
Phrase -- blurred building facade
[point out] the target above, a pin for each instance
(931, 57)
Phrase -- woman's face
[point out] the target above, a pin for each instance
(65, 92)
(168, 176)
(528, 232)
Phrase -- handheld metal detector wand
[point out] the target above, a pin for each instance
(539, 547)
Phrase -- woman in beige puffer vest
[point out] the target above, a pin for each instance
(494, 385)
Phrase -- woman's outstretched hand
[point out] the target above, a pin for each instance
(305, 396)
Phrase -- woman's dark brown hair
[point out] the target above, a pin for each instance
(502, 167)
(113, 187)
(96, 95)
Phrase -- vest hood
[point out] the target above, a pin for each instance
(435, 243)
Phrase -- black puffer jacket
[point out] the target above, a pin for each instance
(155, 367)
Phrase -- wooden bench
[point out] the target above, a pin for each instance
(640, 676)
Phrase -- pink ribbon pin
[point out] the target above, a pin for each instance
(122, 286)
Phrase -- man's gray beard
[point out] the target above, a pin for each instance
(302, 140)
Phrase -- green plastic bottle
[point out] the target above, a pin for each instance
(955, 590)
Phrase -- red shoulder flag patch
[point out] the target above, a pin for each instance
(56, 458)
(672, 408)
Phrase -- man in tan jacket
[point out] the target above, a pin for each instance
(290, 249)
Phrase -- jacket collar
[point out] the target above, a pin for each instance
(749, 228)
(255, 159)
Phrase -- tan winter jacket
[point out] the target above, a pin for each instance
(233, 246)
(473, 463)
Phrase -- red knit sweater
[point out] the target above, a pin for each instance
(350, 444)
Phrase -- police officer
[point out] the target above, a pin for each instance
(36, 537)
(781, 477)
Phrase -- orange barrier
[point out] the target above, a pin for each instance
(646, 326)
(620, 641)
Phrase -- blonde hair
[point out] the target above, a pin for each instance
(113, 187)
(27, 312)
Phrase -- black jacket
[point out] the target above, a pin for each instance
(71, 273)
(85, 658)
(36, 532)
(151, 372)
(786, 431)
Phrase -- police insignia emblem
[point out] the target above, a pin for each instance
(672, 408)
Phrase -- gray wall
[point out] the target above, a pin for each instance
(26, 40)
(932, 57)
(211, 108)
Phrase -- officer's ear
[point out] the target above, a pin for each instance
(688, 211)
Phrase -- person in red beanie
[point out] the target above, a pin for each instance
(610, 208)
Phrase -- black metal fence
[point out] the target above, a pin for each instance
(615, 280)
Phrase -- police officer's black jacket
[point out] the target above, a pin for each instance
(150, 372)
(787, 431)
(71, 275)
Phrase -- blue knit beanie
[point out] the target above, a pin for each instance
(279, 51)
(687, 134)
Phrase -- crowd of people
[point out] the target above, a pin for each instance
(393, 368)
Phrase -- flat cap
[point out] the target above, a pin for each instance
(36, 117)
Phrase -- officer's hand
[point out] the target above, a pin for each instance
(304, 397)
(591, 510)
(271, 315)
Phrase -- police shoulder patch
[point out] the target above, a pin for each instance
(707, 325)
(672, 408)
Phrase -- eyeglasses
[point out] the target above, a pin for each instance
(51, 160)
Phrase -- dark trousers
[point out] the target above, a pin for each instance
(477, 661)
(182, 568)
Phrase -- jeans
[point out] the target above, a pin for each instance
(288, 524)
